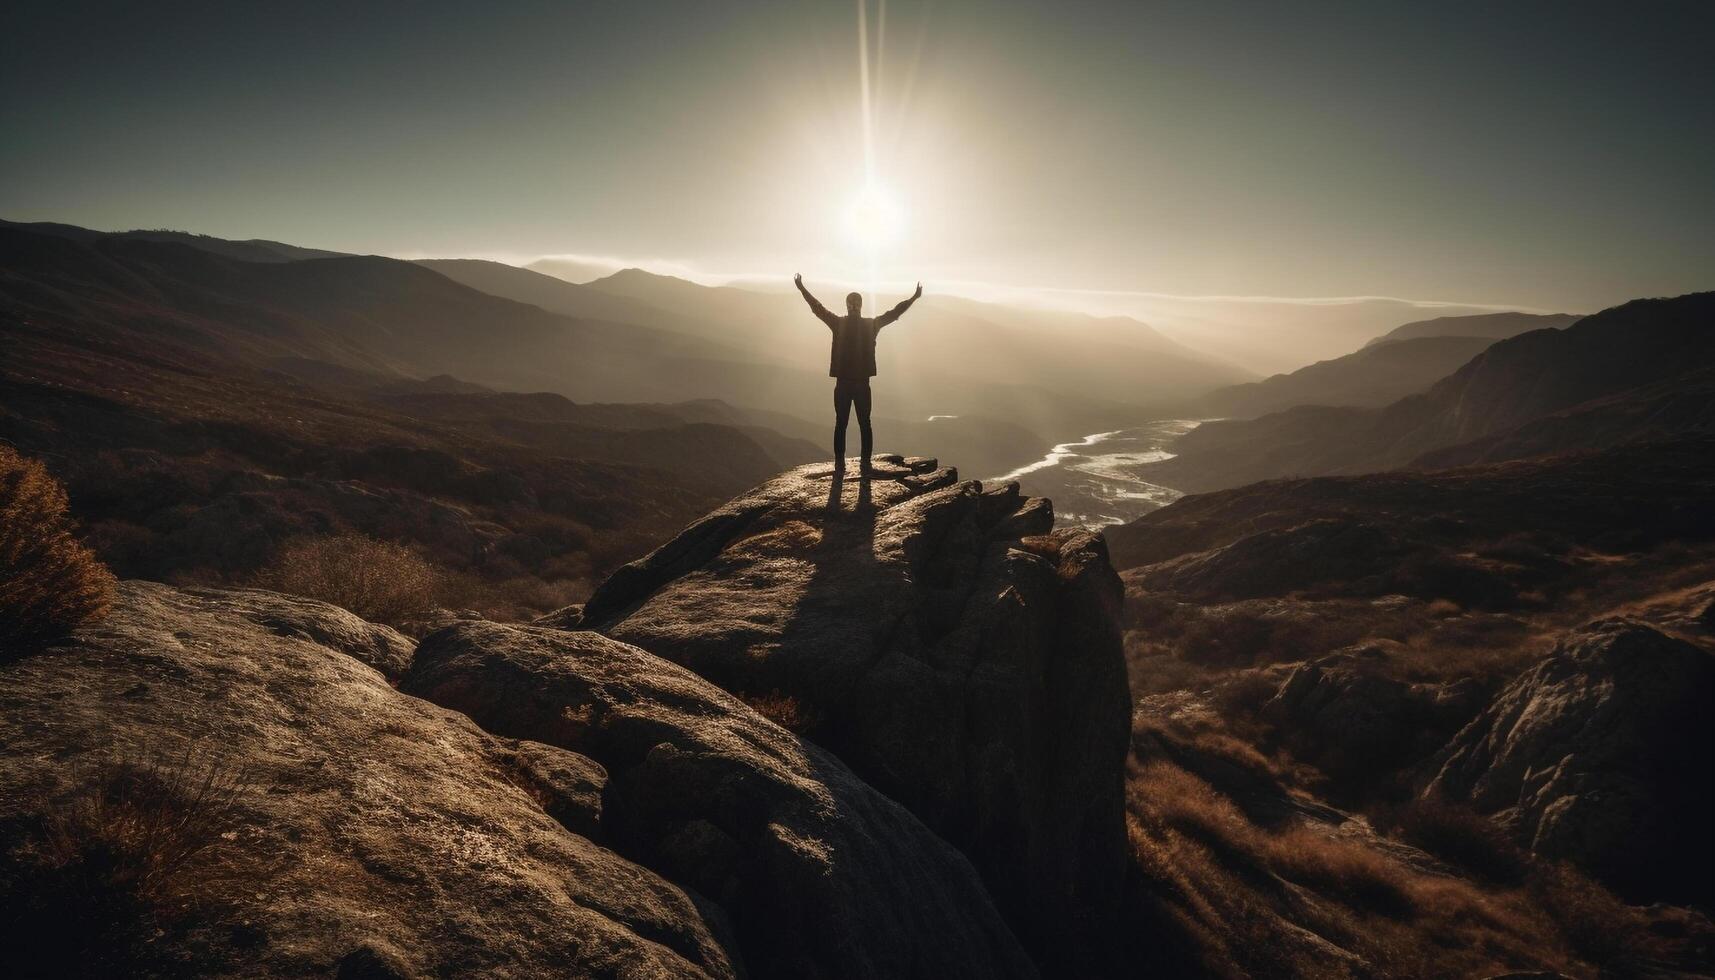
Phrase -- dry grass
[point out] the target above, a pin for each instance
(1213, 893)
(134, 852)
(379, 580)
(782, 709)
(49, 582)
(1461, 837)
(1240, 900)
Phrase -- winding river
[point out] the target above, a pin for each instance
(1093, 481)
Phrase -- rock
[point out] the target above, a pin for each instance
(566, 617)
(382, 647)
(821, 875)
(1599, 754)
(1348, 714)
(367, 833)
(943, 641)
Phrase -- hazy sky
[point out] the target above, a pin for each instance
(1552, 155)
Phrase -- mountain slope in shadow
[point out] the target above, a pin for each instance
(1494, 326)
(1616, 354)
(1367, 378)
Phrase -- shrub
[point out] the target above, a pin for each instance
(782, 709)
(378, 580)
(1462, 838)
(133, 853)
(49, 582)
(1221, 895)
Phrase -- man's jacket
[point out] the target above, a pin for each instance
(853, 354)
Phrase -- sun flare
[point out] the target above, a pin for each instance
(874, 219)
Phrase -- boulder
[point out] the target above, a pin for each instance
(184, 789)
(1350, 715)
(820, 875)
(1599, 754)
(942, 640)
(382, 647)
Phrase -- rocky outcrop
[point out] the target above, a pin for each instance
(820, 875)
(1599, 754)
(366, 833)
(939, 638)
(382, 647)
(1354, 718)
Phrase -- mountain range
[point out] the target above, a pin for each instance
(1625, 374)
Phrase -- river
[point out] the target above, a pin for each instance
(1093, 481)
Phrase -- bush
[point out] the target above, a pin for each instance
(782, 709)
(379, 580)
(1461, 837)
(49, 582)
(134, 853)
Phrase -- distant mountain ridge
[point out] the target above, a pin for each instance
(249, 250)
(1367, 378)
(1616, 354)
(1495, 326)
(1403, 361)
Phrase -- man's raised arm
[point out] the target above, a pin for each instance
(898, 311)
(815, 307)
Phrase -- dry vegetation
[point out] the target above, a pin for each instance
(379, 580)
(134, 851)
(49, 582)
(784, 710)
(1229, 897)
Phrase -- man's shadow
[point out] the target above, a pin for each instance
(865, 509)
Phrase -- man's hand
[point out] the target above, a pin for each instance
(798, 279)
(919, 293)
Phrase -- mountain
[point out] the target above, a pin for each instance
(250, 250)
(1495, 326)
(374, 314)
(365, 312)
(1643, 350)
(1370, 377)
(554, 295)
(1271, 335)
(1034, 360)
(572, 270)
(269, 402)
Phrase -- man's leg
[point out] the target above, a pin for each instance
(842, 412)
(860, 398)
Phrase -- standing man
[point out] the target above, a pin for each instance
(852, 364)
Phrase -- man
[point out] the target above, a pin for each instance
(852, 364)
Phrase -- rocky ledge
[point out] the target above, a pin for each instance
(941, 639)
(213, 782)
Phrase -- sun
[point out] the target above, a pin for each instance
(874, 220)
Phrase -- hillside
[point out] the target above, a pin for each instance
(555, 295)
(248, 250)
(897, 705)
(209, 413)
(367, 312)
(1376, 638)
(1616, 354)
(1370, 377)
(1494, 326)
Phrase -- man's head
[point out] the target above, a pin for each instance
(854, 303)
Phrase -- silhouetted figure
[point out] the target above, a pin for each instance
(852, 363)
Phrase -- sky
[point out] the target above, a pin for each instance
(1552, 156)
